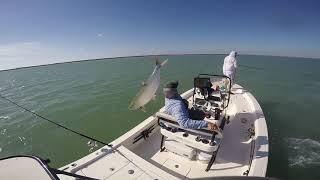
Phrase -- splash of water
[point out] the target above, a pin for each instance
(4, 117)
(3, 131)
(92, 145)
(22, 140)
(303, 152)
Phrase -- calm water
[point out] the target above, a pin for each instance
(93, 96)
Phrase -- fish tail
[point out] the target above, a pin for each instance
(161, 63)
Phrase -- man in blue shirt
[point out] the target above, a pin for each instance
(175, 106)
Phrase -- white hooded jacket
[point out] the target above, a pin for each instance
(230, 63)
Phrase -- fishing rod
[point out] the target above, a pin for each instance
(55, 123)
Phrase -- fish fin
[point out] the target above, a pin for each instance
(154, 97)
(131, 107)
(142, 108)
(163, 62)
(158, 62)
(143, 83)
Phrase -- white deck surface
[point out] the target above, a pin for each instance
(233, 155)
(236, 153)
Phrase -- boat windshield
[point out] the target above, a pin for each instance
(212, 88)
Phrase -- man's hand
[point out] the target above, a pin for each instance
(212, 126)
(207, 115)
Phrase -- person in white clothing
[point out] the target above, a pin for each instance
(230, 66)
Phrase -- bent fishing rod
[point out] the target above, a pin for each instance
(55, 123)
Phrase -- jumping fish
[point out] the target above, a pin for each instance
(148, 88)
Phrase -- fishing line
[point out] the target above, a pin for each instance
(55, 123)
(252, 67)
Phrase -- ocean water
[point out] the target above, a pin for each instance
(93, 97)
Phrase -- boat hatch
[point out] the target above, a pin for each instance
(30, 168)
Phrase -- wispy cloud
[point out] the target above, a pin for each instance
(100, 34)
(29, 53)
(19, 49)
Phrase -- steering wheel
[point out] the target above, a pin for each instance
(204, 105)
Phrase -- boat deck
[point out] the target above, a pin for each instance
(233, 157)
(239, 153)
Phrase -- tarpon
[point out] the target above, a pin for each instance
(148, 89)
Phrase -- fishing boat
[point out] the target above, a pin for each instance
(158, 148)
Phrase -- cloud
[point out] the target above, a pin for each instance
(100, 34)
(19, 49)
(31, 53)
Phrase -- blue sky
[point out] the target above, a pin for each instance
(41, 31)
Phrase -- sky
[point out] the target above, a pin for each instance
(38, 32)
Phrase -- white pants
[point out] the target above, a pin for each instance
(231, 75)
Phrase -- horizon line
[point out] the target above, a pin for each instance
(146, 55)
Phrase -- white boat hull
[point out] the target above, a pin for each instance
(241, 153)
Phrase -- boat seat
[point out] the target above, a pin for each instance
(171, 121)
(196, 138)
